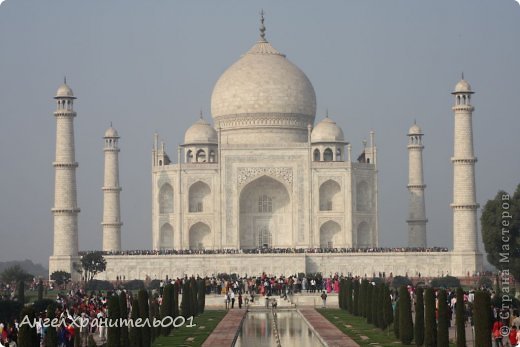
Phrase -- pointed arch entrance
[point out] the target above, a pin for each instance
(265, 214)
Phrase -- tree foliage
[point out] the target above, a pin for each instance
(60, 277)
(430, 322)
(460, 319)
(27, 336)
(123, 309)
(482, 317)
(201, 295)
(419, 318)
(144, 313)
(388, 309)
(166, 309)
(405, 316)
(443, 319)
(15, 273)
(135, 332)
(114, 330)
(445, 282)
(51, 335)
(500, 222)
(92, 264)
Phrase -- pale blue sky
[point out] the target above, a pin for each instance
(151, 65)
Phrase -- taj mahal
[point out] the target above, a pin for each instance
(264, 175)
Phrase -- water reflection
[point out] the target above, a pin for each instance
(293, 330)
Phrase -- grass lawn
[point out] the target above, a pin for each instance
(193, 336)
(355, 327)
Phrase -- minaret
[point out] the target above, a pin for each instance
(111, 189)
(65, 209)
(464, 196)
(417, 211)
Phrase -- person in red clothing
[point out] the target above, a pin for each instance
(497, 333)
(512, 336)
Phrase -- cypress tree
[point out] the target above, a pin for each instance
(166, 308)
(364, 297)
(51, 336)
(443, 324)
(368, 308)
(175, 301)
(419, 318)
(459, 318)
(375, 302)
(77, 337)
(154, 315)
(27, 336)
(349, 295)
(40, 290)
(144, 313)
(114, 330)
(361, 299)
(356, 298)
(481, 312)
(185, 303)
(135, 332)
(21, 292)
(430, 323)
(388, 311)
(340, 294)
(193, 297)
(405, 316)
(201, 295)
(381, 306)
(123, 309)
(396, 319)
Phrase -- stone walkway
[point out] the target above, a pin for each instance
(332, 336)
(227, 330)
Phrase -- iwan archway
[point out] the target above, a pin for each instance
(265, 214)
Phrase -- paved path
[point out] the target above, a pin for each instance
(227, 330)
(332, 336)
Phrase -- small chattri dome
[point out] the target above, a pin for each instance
(327, 131)
(200, 132)
(415, 130)
(111, 132)
(463, 87)
(64, 91)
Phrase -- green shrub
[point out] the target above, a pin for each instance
(41, 305)
(430, 322)
(443, 317)
(123, 308)
(51, 336)
(419, 318)
(9, 310)
(144, 312)
(405, 316)
(134, 285)
(445, 282)
(399, 281)
(114, 332)
(482, 317)
(98, 285)
(460, 319)
(27, 336)
(135, 332)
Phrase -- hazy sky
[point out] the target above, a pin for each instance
(151, 66)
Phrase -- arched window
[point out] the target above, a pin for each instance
(330, 196)
(363, 235)
(265, 204)
(338, 154)
(201, 156)
(363, 200)
(264, 237)
(212, 156)
(200, 197)
(166, 237)
(316, 155)
(189, 156)
(327, 155)
(166, 199)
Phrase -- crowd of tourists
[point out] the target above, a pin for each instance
(270, 250)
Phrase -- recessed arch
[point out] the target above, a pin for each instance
(363, 201)
(265, 214)
(363, 235)
(189, 156)
(166, 198)
(166, 237)
(330, 196)
(201, 156)
(328, 155)
(317, 155)
(330, 232)
(200, 197)
(200, 236)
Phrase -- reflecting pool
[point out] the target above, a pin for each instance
(257, 330)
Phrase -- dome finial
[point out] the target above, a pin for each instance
(201, 117)
(462, 75)
(326, 113)
(262, 26)
(64, 79)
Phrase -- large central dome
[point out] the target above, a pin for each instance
(263, 93)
